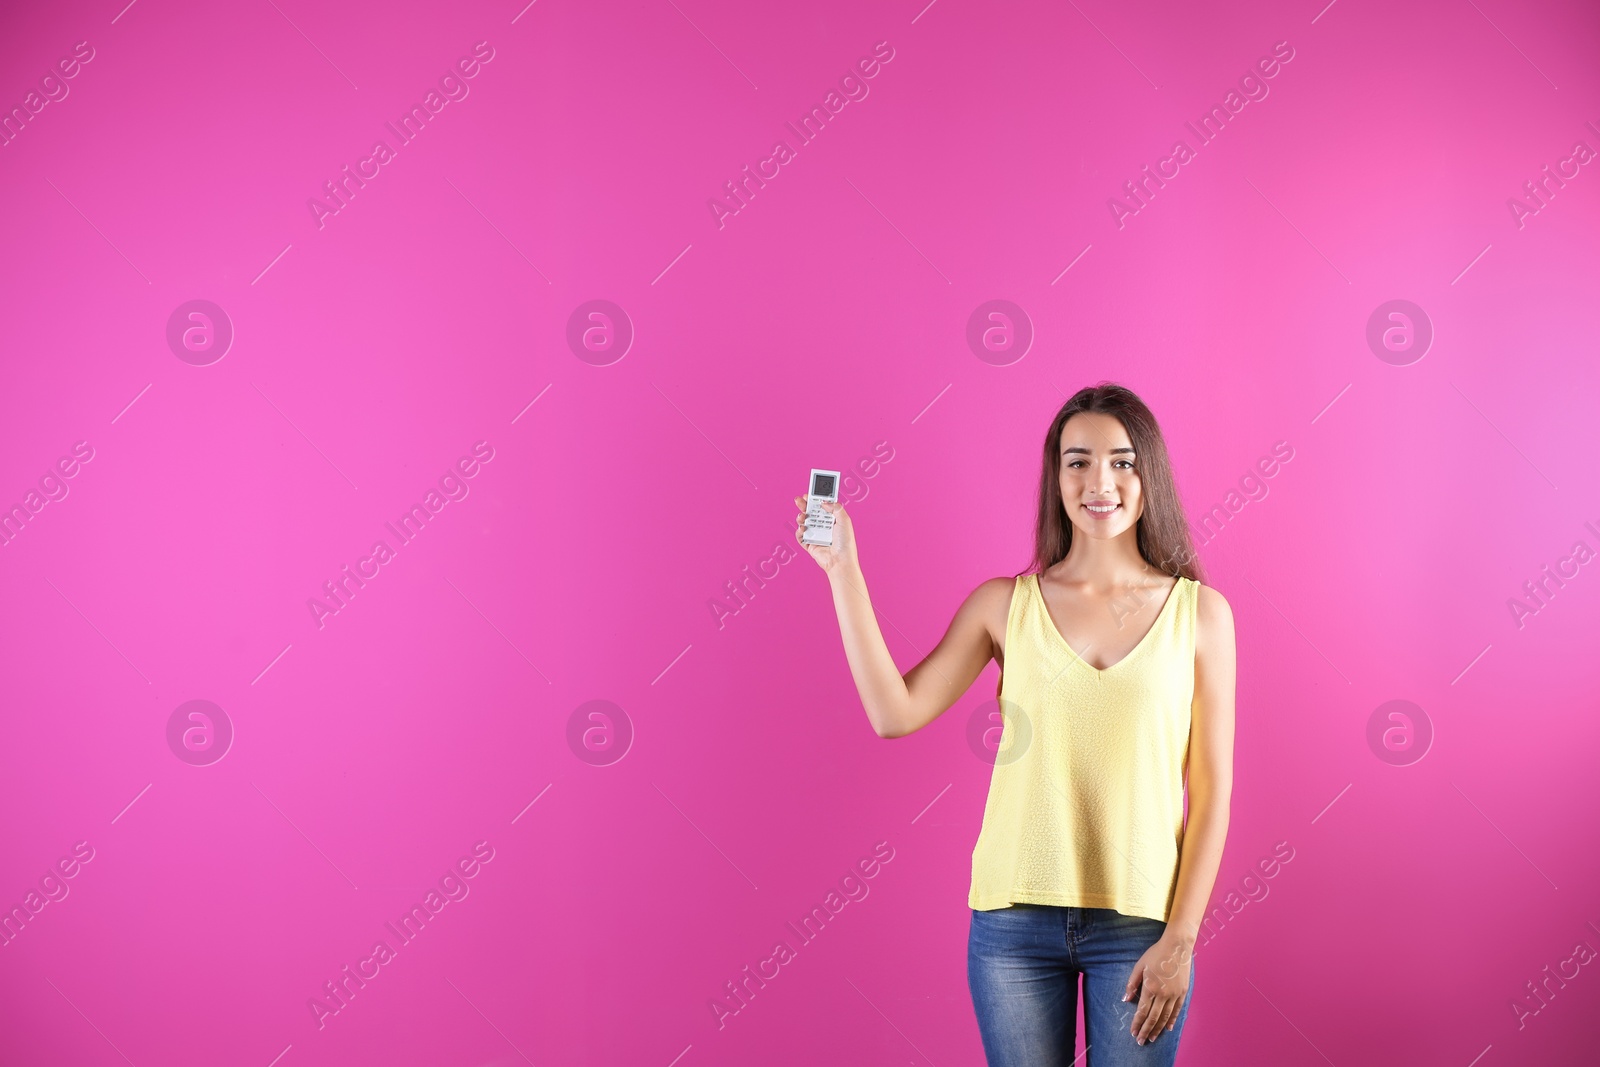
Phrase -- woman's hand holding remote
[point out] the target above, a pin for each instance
(838, 559)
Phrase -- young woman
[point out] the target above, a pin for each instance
(1116, 690)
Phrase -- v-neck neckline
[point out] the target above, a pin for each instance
(1172, 595)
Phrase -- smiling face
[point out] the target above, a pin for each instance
(1100, 488)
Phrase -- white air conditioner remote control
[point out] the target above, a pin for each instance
(819, 524)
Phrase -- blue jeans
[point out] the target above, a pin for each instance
(1023, 964)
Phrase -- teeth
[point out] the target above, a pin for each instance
(1101, 510)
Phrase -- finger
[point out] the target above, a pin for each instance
(1140, 1014)
(1156, 1022)
(1164, 1019)
(1143, 1024)
(1131, 989)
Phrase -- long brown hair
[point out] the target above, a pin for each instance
(1162, 531)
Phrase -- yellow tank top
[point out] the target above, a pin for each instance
(1085, 804)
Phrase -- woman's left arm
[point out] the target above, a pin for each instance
(1210, 766)
(1206, 827)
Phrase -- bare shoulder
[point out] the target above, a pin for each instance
(1214, 620)
(991, 602)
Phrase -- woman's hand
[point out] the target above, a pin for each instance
(839, 557)
(1161, 982)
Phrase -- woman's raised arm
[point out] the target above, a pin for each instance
(897, 704)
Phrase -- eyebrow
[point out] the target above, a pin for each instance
(1090, 452)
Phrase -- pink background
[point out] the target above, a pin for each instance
(828, 315)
